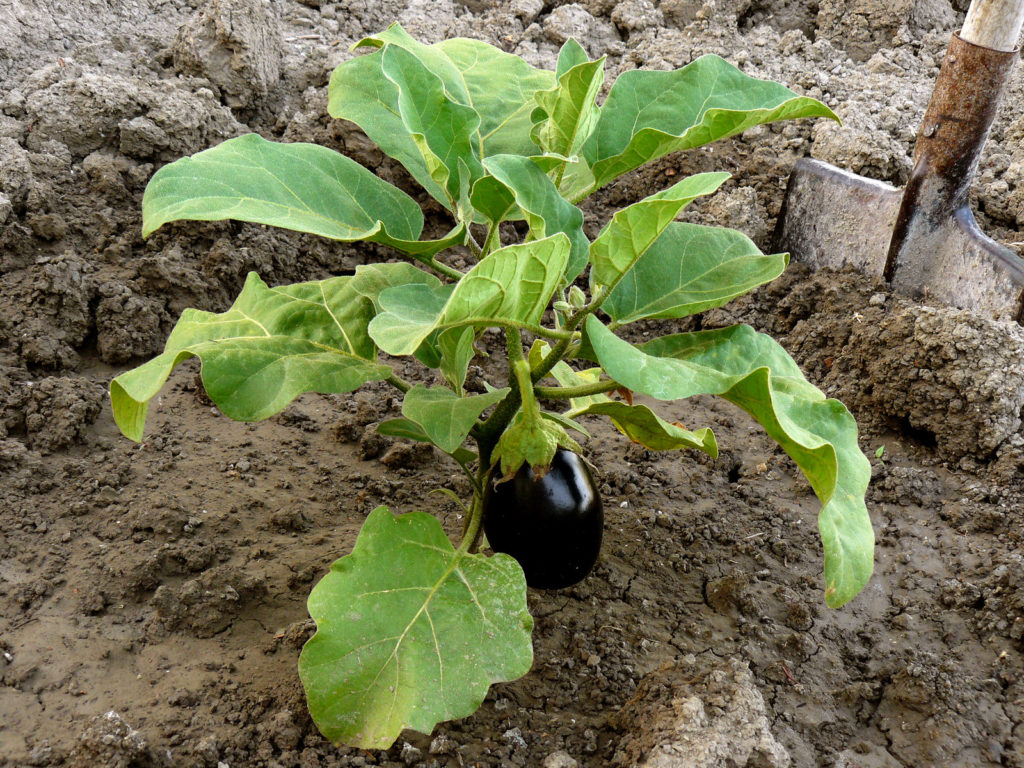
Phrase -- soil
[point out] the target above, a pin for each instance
(152, 596)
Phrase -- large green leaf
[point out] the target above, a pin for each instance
(271, 346)
(511, 285)
(689, 269)
(633, 229)
(360, 93)
(650, 113)
(497, 85)
(410, 632)
(442, 129)
(754, 372)
(303, 187)
(445, 417)
(546, 211)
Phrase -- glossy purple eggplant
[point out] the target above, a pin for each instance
(552, 526)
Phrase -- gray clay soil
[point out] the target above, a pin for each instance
(152, 596)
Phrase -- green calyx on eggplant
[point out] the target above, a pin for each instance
(551, 525)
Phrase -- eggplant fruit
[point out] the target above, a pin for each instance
(551, 525)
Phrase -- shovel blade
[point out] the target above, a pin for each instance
(953, 262)
(833, 218)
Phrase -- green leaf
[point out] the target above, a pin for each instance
(271, 346)
(408, 316)
(634, 229)
(690, 269)
(360, 93)
(565, 421)
(637, 422)
(546, 211)
(571, 54)
(494, 201)
(648, 114)
(444, 416)
(456, 348)
(754, 372)
(407, 429)
(567, 114)
(642, 425)
(497, 85)
(512, 284)
(303, 187)
(372, 279)
(410, 632)
(442, 129)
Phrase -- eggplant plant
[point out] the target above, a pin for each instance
(411, 629)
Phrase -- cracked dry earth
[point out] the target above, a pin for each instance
(152, 596)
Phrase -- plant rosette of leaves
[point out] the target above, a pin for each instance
(412, 630)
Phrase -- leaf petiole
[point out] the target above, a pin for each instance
(444, 269)
(582, 390)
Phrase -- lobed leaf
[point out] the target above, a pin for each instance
(690, 269)
(410, 632)
(634, 229)
(445, 417)
(304, 187)
(360, 92)
(754, 372)
(650, 113)
(271, 346)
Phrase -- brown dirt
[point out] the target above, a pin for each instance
(152, 597)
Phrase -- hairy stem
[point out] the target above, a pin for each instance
(493, 241)
(487, 433)
(473, 530)
(398, 383)
(581, 390)
(444, 269)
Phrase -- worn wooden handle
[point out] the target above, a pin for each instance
(994, 24)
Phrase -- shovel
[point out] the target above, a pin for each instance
(924, 240)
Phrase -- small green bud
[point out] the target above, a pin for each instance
(577, 297)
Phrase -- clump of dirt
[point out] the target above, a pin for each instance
(684, 715)
(236, 45)
(152, 596)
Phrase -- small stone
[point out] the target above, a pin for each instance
(560, 759)
(877, 299)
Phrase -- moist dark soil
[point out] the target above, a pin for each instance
(152, 597)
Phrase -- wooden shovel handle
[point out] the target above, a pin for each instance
(994, 24)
